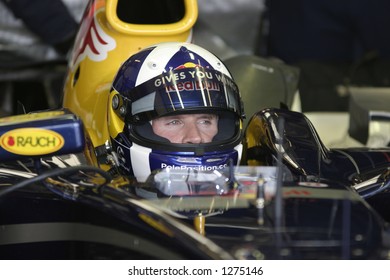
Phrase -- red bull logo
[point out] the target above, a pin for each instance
(191, 86)
(197, 79)
(188, 65)
(92, 41)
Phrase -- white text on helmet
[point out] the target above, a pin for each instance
(225, 80)
(173, 77)
(169, 78)
(199, 168)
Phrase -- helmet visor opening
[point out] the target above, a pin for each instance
(228, 129)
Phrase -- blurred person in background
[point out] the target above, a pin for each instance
(35, 37)
(335, 43)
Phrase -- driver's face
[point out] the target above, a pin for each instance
(187, 128)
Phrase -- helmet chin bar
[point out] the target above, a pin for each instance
(139, 161)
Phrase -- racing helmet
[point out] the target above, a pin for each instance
(167, 79)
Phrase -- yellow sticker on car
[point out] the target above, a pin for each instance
(31, 141)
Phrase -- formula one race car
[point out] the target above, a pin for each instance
(62, 195)
(303, 202)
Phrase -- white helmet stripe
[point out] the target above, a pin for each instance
(140, 158)
(155, 64)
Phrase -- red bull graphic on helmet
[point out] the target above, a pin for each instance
(188, 65)
(189, 80)
(92, 41)
(191, 86)
(184, 88)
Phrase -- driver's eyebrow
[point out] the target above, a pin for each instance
(208, 116)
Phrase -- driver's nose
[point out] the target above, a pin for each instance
(192, 135)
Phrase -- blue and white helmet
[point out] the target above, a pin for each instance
(174, 78)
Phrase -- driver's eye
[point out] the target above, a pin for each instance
(173, 122)
(205, 121)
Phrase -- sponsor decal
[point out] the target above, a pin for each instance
(31, 141)
(196, 79)
(297, 192)
(92, 41)
(188, 65)
(198, 167)
(189, 85)
(313, 184)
